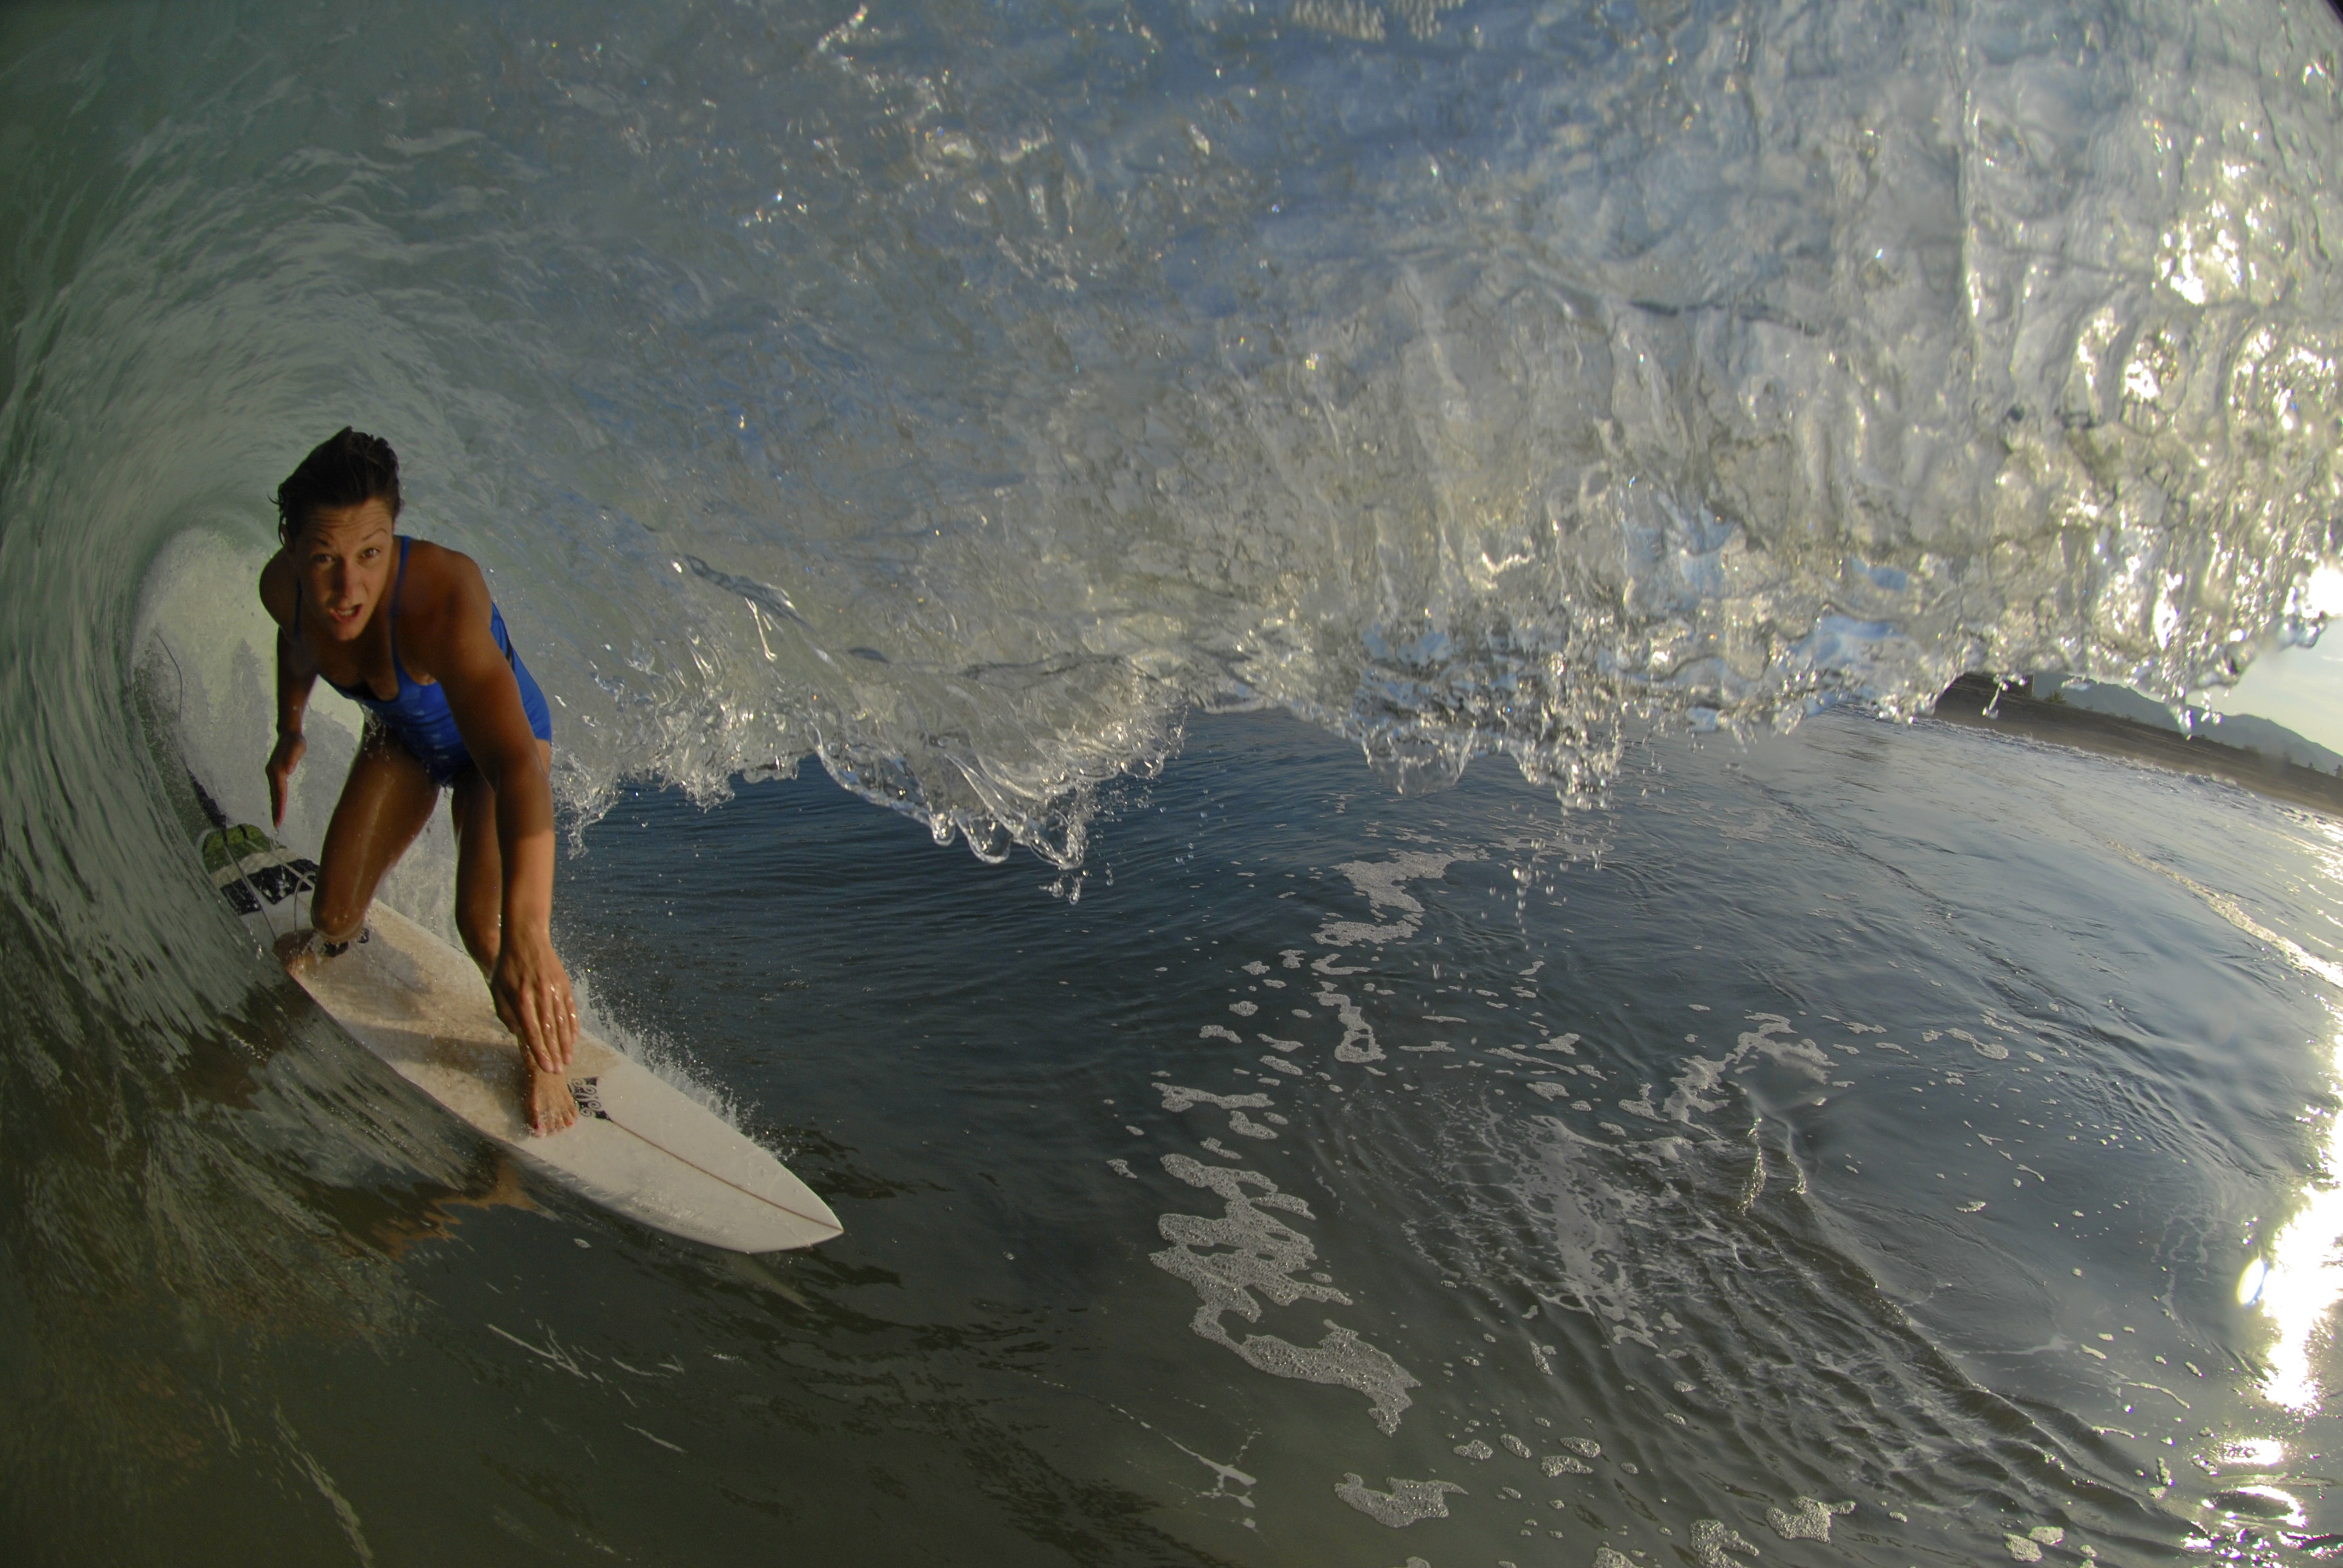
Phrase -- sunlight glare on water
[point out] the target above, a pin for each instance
(2296, 1288)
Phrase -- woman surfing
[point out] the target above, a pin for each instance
(406, 630)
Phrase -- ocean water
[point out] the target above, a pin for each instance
(1178, 637)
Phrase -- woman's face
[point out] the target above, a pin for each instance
(343, 558)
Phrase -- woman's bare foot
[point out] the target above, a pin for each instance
(303, 949)
(297, 951)
(550, 1107)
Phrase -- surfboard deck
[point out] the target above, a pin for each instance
(640, 1147)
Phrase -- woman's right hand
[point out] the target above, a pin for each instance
(281, 763)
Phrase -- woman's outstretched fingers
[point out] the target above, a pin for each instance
(518, 1012)
(565, 1020)
(546, 1038)
(534, 999)
(554, 1027)
(560, 1025)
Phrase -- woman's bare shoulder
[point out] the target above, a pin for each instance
(443, 603)
(277, 588)
(440, 579)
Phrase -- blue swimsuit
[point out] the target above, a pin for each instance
(419, 718)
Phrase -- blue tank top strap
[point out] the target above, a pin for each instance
(396, 586)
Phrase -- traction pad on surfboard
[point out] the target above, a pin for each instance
(249, 868)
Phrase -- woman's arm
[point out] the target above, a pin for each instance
(297, 675)
(443, 631)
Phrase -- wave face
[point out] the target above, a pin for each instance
(959, 396)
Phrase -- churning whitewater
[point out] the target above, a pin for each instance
(961, 397)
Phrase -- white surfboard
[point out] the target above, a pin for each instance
(640, 1147)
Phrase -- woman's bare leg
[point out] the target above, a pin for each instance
(479, 920)
(384, 803)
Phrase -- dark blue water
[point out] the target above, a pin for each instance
(1910, 1158)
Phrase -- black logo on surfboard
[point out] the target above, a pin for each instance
(587, 1093)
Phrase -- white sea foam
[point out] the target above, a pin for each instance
(1712, 1539)
(1177, 1098)
(1404, 1504)
(1245, 1251)
(1358, 1042)
(1810, 1521)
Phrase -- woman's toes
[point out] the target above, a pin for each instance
(551, 1108)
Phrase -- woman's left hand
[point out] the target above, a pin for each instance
(533, 999)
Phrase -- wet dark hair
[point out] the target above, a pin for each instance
(348, 469)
